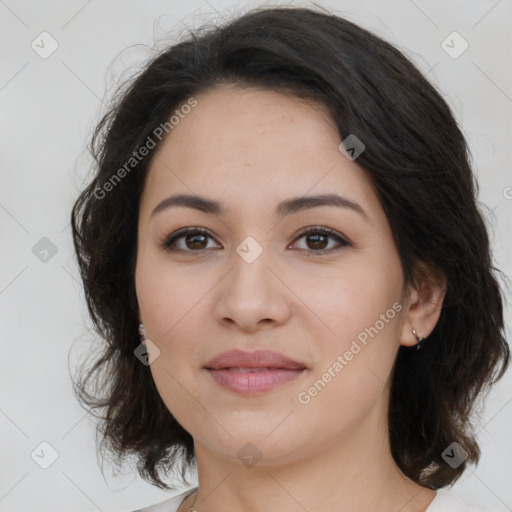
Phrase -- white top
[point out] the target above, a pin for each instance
(443, 502)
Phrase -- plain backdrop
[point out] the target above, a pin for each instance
(48, 109)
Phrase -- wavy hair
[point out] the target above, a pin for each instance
(418, 161)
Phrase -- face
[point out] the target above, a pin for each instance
(252, 280)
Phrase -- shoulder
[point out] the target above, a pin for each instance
(446, 501)
(170, 505)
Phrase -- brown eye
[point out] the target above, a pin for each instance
(318, 238)
(191, 240)
(195, 241)
(319, 242)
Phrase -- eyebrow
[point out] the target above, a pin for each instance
(286, 207)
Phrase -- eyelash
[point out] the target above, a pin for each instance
(171, 239)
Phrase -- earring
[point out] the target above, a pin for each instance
(142, 332)
(419, 339)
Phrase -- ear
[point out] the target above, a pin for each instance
(422, 306)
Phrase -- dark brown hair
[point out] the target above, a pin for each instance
(418, 162)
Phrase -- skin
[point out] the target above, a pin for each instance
(252, 149)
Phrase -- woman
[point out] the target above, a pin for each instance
(283, 210)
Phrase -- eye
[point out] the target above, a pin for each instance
(319, 239)
(195, 239)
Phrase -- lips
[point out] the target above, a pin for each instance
(253, 373)
(253, 361)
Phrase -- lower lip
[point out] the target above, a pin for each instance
(252, 383)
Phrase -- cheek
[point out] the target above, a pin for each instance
(351, 297)
(170, 306)
(352, 374)
(162, 305)
(165, 295)
(360, 311)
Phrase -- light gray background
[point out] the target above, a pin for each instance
(48, 109)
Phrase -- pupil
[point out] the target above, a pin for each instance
(195, 237)
(316, 237)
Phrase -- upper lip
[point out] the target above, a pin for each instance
(256, 359)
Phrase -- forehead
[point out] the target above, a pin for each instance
(249, 144)
(239, 122)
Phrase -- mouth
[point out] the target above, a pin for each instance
(253, 381)
(251, 373)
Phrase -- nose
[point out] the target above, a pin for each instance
(252, 296)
